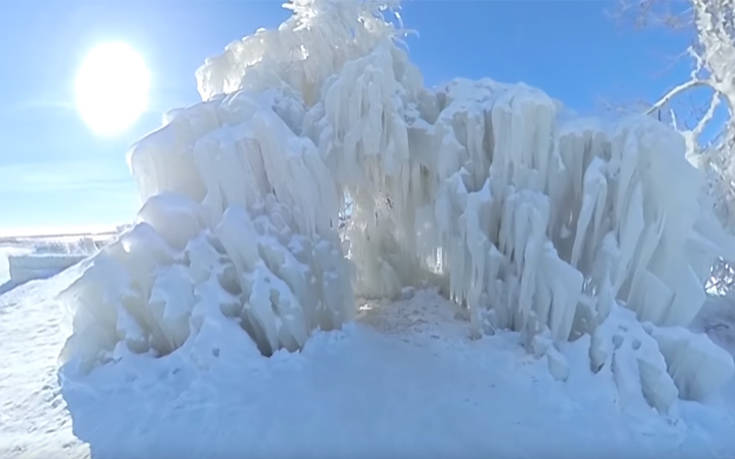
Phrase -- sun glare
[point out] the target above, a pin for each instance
(112, 88)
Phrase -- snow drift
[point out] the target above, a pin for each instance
(527, 219)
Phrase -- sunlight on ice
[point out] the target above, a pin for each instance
(555, 228)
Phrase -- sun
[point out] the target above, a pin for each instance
(112, 88)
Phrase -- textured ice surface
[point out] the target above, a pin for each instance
(527, 221)
(404, 380)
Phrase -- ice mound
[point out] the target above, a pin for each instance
(252, 267)
(529, 221)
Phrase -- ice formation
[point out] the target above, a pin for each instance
(530, 221)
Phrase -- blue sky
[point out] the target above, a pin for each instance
(56, 173)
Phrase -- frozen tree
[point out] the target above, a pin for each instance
(713, 59)
(713, 54)
(552, 227)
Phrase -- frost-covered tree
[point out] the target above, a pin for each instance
(713, 54)
(710, 139)
(552, 227)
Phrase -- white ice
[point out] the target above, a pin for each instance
(527, 220)
(403, 378)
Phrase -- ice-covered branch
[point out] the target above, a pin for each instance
(714, 103)
(674, 92)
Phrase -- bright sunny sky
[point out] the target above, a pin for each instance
(57, 172)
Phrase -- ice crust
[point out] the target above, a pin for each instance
(529, 221)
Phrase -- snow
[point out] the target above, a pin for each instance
(698, 368)
(623, 345)
(34, 418)
(6, 250)
(531, 221)
(23, 268)
(547, 268)
(717, 320)
(404, 379)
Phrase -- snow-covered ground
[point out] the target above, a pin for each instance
(200, 332)
(34, 421)
(404, 378)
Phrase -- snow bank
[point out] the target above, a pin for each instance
(39, 258)
(717, 320)
(403, 380)
(529, 222)
(23, 268)
(6, 250)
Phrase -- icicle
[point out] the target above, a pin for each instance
(532, 216)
